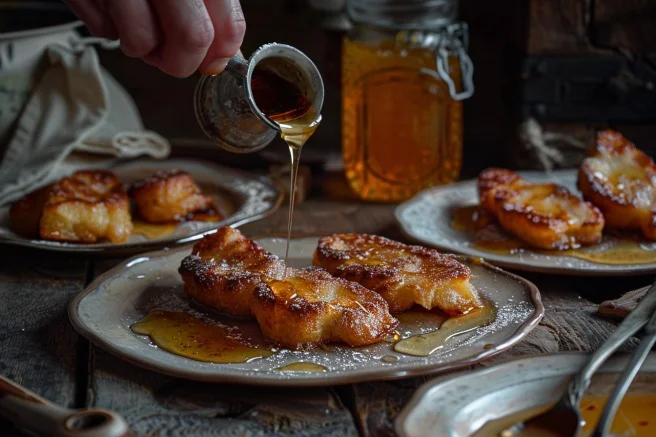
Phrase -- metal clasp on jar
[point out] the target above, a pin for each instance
(451, 40)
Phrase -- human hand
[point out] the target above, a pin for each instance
(176, 36)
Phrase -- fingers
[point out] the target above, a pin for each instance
(136, 24)
(187, 33)
(177, 36)
(93, 14)
(230, 26)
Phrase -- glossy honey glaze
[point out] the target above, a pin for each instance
(183, 334)
(153, 231)
(614, 251)
(635, 418)
(426, 344)
(302, 367)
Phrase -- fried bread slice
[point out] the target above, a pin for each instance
(171, 196)
(403, 275)
(86, 207)
(311, 307)
(295, 308)
(224, 269)
(547, 216)
(620, 180)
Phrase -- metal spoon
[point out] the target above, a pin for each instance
(31, 412)
(564, 418)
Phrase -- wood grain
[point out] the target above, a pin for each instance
(625, 24)
(619, 308)
(558, 26)
(37, 343)
(155, 404)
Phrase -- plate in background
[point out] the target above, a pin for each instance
(427, 218)
(241, 197)
(461, 405)
(126, 294)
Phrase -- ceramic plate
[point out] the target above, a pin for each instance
(427, 218)
(126, 294)
(461, 405)
(240, 196)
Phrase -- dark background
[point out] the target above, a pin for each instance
(523, 51)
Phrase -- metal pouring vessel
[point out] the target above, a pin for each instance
(224, 103)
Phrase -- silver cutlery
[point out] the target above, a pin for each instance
(564, 418)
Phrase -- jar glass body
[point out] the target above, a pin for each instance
(401, 130)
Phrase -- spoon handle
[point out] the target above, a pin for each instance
(633, 323)
(639, 356)
(31, 412)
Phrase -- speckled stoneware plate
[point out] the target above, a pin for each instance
(241, 197)
(427, 218)
(476, 403)
(105, 312)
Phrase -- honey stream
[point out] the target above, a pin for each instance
(285, 104)
(615, 251)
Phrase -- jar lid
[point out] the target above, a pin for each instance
(403, 14)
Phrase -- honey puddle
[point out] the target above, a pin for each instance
(614, 251)
(302, 367)
(152, 231)
(635, 418)
(423, 345)
(183, 334)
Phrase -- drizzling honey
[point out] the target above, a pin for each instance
(183, 334)
(423, 345)
(302, 367)
(286, 105)
(613, 251)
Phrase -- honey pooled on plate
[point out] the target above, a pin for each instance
(424, 345)
(489, 237)
(183, 334)
(302, 367)
(636, 417)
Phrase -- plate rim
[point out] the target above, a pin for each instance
(420, 393)
(391, 373)
(235, 220)
(500, 260)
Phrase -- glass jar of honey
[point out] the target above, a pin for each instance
(405, 71)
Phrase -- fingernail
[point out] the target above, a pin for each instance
(214, 67)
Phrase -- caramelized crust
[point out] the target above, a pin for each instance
(86, 207)
(403, 275)
(620, 180)
(224, 269)
(546, 216)
(25, 214)
(296, 308)
(170, 196)
(311, 307)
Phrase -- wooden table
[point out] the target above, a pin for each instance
(40, 350)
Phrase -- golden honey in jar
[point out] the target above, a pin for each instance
(405, 71)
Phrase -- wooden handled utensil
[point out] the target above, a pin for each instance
(31, 412)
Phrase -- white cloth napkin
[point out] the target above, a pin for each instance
(75, 107)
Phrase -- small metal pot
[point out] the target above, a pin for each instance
(224, 103)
